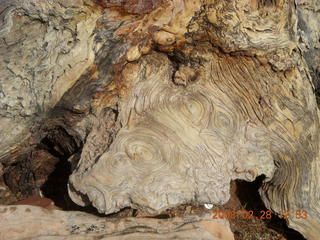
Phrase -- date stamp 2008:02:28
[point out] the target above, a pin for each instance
(263, 214)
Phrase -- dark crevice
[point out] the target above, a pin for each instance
(50, 162)
(61, 145)
(248, 194)
(56, 189)
(162, 216)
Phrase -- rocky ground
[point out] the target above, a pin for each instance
(244, 197)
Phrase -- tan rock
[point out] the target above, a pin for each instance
(133, 53)
(30, 222)
(142, 140)
(163, 38)
(45, 47)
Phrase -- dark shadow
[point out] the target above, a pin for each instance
(61, 145)
(161, 216)
(249, 197)
(56, 189)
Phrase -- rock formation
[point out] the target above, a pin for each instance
(30, 222)
(162, 103)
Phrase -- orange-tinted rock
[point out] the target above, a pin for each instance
(39, 202)
(132, 6)
(141, 6)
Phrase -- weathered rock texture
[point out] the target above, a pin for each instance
(237, 119)
(45, 46)
(309, 34)
(165, 102)
(30, 222)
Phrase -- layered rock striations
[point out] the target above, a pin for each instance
(166, 102)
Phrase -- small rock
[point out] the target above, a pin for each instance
(133, 53)
(164, 38)
(184, 75)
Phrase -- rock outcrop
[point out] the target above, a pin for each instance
(162, 103)
(30, 222)
(45, 47)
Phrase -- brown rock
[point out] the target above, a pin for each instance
(132, 6)
(39, 202)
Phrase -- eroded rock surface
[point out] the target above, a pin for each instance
(309, 35)
(171, 100)
(186, 133)
(30, 222)
(237, 119)
(45, 46)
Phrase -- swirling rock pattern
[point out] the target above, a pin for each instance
(179, 144)
(165, 129)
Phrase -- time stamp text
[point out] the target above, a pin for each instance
(261, 215)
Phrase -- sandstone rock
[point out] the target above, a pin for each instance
(165, 102)
(180, 145)
(308, 37)
(133, 53)
(38, 201)
(30, 222)
(45, 46)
